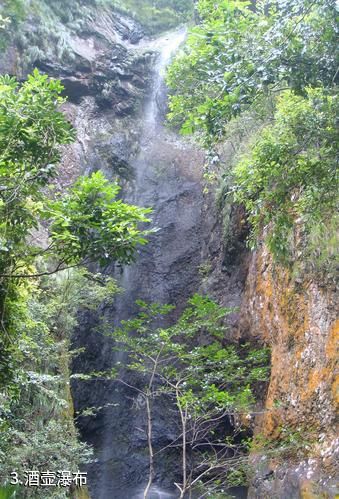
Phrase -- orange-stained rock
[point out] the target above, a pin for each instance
(297, 318)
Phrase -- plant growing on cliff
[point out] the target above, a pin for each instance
(290, 172)
(290, 442)
(204, 381)
(42, 234)
(85, 224)
(241, 56)
(238, 53)
(155, 15)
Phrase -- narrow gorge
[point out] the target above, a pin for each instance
(112, 61)
(165, 174)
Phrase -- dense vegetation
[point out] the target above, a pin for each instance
(265, 72)
(56, 22)
(46, 238)
(275, 62)
(36, 416)
(156, 15)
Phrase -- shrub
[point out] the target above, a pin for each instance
(290, 174)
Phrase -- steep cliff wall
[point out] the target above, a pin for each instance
(105, 81)
(115, 102)
(296, 316)
(107, 73)
(165, 173)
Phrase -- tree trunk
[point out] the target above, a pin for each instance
(183, 416)
(150, 447)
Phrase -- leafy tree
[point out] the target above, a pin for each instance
(205, 381)
(87, 224)
(238, 53)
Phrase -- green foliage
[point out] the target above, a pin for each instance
(89, 223)
(155, 15)
(9, 492)
(203, 379)
(55, 23)
(197, 75)
(290, 171)
(37, 425)
(218, 375)
(12, 14)
(31, 131)
(291, 443)
(239, 57)
(15, 10)
(236, 54)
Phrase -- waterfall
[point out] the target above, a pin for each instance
(167, 177)
(167, 46)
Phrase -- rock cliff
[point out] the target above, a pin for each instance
(109, 75)
(297, 318)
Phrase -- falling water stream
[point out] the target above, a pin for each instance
(167, 177)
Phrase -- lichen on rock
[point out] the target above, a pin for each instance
(297, 319)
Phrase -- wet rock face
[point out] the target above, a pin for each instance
(225, 260)
(297, 318)
(97, 63)
(292, 481)
(112, 75)
(160, 170)
(108, 81)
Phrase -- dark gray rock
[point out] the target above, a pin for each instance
(164, 171)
